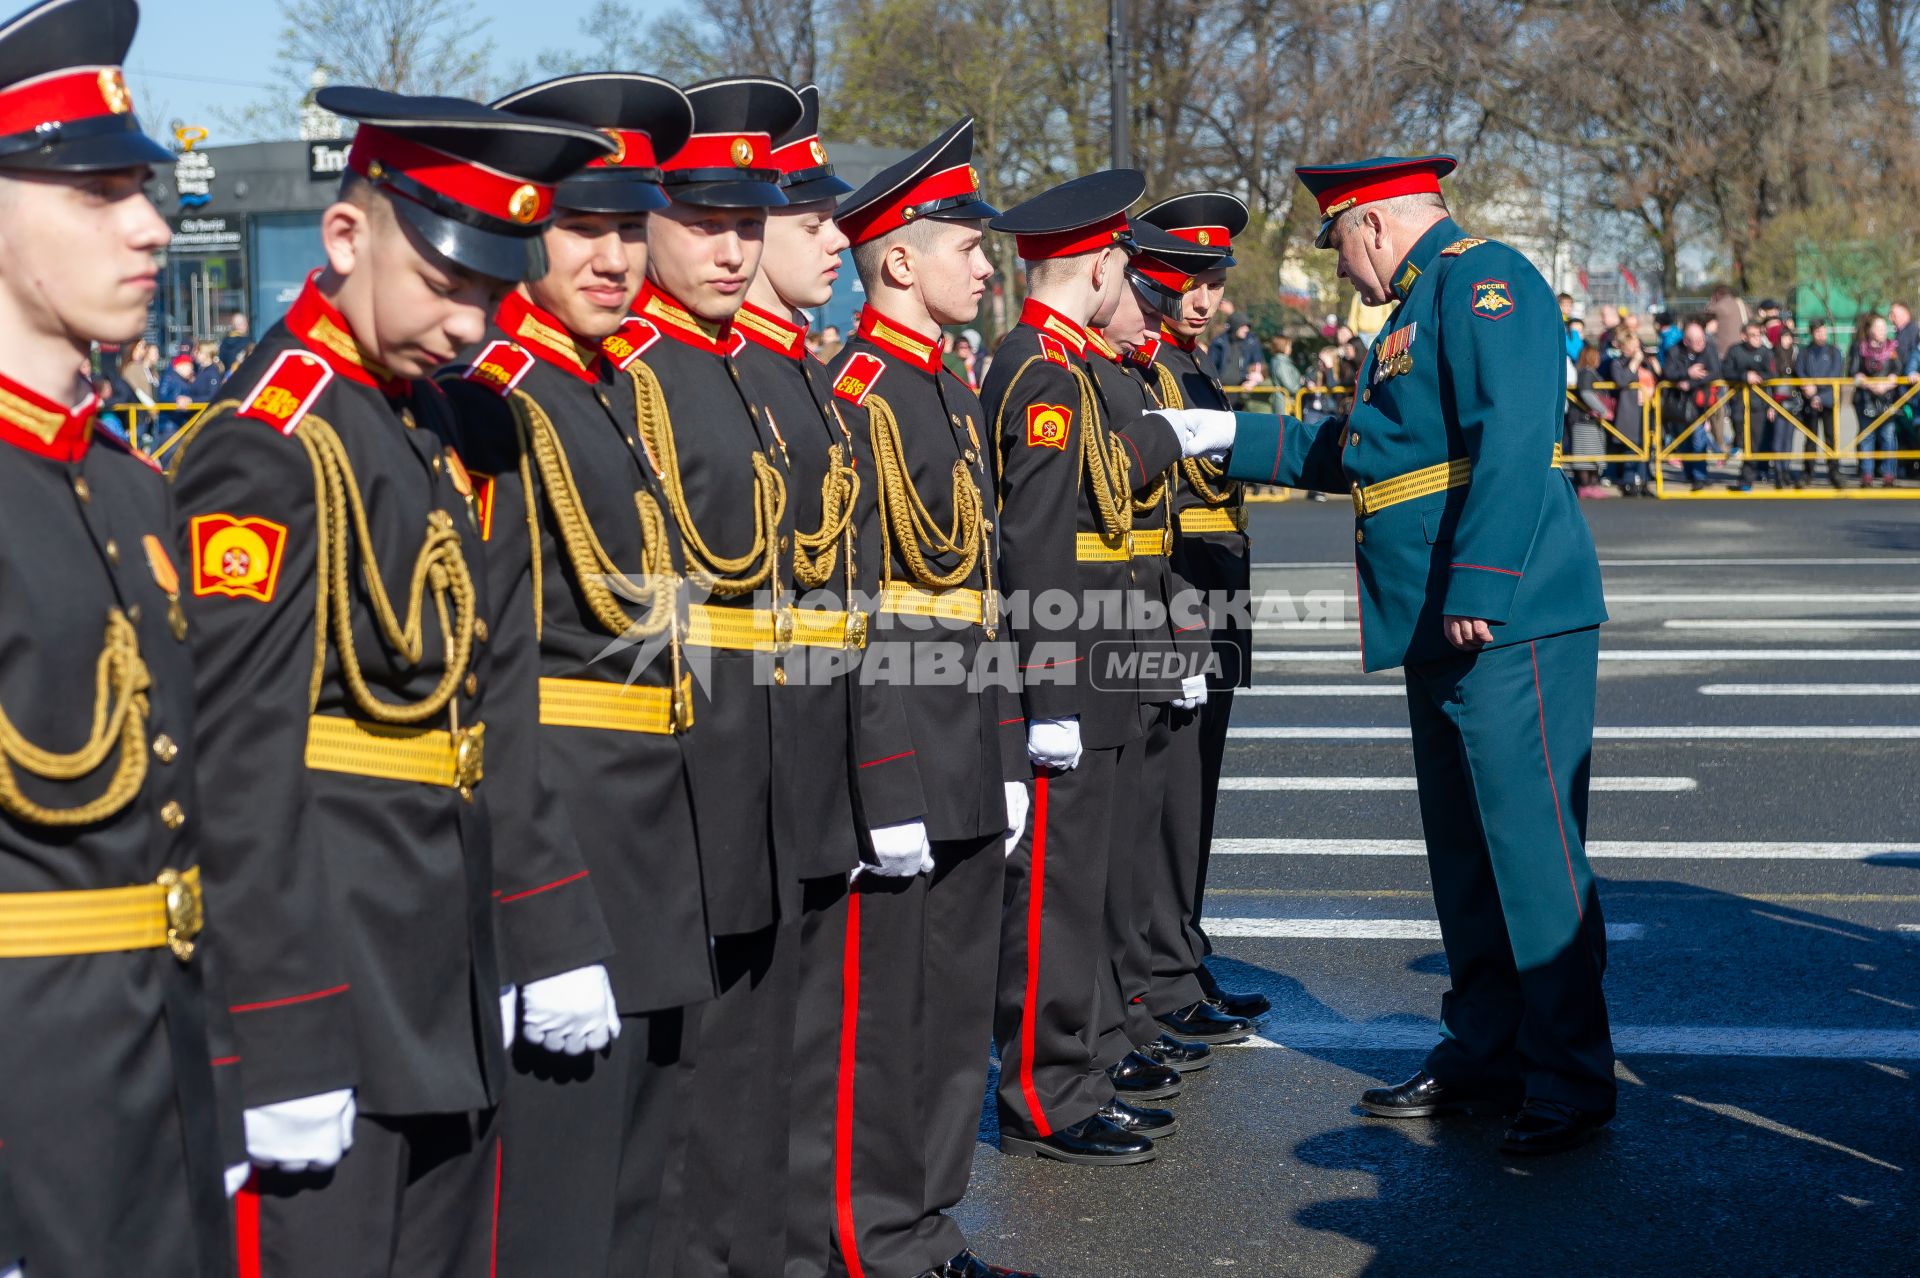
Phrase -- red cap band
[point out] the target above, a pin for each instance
(376, 152)
(63, 97)
(1080, 239)
(877, 219)
(1369, 187)
(798, 157)
(1205, 236)
(635, 151)
(1160, 273)
(723, 151)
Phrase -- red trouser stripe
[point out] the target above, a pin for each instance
(246, 1227)
(493, 1262)
(1036, 902)
(843, 1112)
(1579, 907)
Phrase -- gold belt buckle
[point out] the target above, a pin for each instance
(782, 628)
(1359, 501)
(469, 758)
(856, 632)
(186, 912)
(990, 612)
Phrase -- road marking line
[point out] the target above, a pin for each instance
(1741, 596)
(1909, 928)
(1781, 1129)
(1326, 690)
(1882, 998)
(1617, 889)
(1315, 785)
(1657, 563)
(1678, 732)
(1647, 654)
(1364, 929)
(1631, 1040)
(1306, 625)
(1602, 849)
(1808, 690)
(1787, 623)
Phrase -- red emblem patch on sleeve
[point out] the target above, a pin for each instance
(856, 380)
(482, 503)
(630, 341)
(499, 367)
(236, 555)
(1054, 349)
(1047, 425)
(1492, 299)
(292, 384)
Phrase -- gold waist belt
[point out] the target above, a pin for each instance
(1457, 473)
(1092, 548)
(396, 752)
(168, 912)
(1150, 543)
(957, 604)
(773, 630)
(594, 703)
(1213, 519)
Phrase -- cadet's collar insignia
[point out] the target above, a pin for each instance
(1146, 352)
(1047, 425)
(677, 322)
(1097, 342)
(856, 380)
(546, 337)
(1049, 321)
(324, 331)
(777, 333)
(630, 342)
(900, 342)
(499, 367)
(1403, 283)
(236, 555)
(39, 426)
(292, 383)
(1492, 299)
(1460, 246)
(1186, 344)
(1055, 350)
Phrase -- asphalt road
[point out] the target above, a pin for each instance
(1757, 832)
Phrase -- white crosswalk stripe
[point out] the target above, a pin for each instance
(1328, 785)
(1628, 1040)
(1600, 849)
(1364, 929)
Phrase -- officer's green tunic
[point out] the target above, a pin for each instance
(1470, 368)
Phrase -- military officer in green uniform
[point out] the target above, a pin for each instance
(1477, 574)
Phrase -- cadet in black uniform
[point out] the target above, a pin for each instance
(341, 644)
(725, 474)
(941, 786)
(587, 757)
(1211, 567)
(108, 1127)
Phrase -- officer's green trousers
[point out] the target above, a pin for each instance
(1503, 749)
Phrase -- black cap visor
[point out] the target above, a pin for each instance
(810, 185)
(609, 191)
(514, 256)
(83, 146)
(737, 194)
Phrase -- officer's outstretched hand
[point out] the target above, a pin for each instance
(309, 1133)
(903, 851)
(1018, 803)
(1205, 432)
(572, 1013)
(1054, 743)
(1469, 634)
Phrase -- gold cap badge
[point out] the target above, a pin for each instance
(113, 89)
(1206, 237)
(742, 153)
(619, 146)
(524, 204)
(819, 152)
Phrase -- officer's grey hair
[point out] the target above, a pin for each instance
(868, 257)
(1394, 206)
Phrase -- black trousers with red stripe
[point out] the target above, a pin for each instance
(582, 1139)
(1053, 947)
(418, 1196)
(1194, 749)
(815, 1074)
(1125, 1020)
(916, 1020)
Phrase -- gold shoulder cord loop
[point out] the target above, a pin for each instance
(904, 517)
(723, 575)
(120, 684)
(815, 553)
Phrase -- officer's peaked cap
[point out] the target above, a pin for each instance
(1075, 217)
(727, 163)
(938, 181)
(647, 118)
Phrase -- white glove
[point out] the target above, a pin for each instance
(310, 1133)
(572, 1013)
(509, 1005)
(1202, 431)
(13, 1271)
(904, 851)
(1193, 693)
(236, 1177)
(1018, 804)
(1054, 743)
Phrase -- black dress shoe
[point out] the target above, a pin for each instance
(1547, 1127)
(1138, 1119)
(1423, 1096)
(968, 1265)
(1183, 1056)
(1200, 1023)
(1091, 1142)
(1247, 1006)
(1139, 1077)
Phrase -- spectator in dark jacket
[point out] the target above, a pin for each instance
(236, 344)
(1634, 374)
(1750, 361)
(1875, 368)
(1820, 358)
(1237, 356)
(1689, 368)
(1586, 409)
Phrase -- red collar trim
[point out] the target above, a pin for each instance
(1098, 343)
(1043, 317)
(37, 425)
(1146, 352)
(323, 330)
(546, 338)
(775, 332)
(1186, 344)
(899, 341)
(681, 324)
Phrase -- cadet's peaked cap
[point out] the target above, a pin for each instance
(646, 117)
(1075, 217)
(728, 162)
(64, 106)
(1209, 219)
(937, 181)
(1339, 187)
(801, 156)
(1164, 264)
(476, 183)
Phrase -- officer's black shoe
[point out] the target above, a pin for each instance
(968, 1265)
(1183, 1056)
(1247, 1006)
(1547, 1127)
(1200, 1023)
(1140, 1120)
(1423, 1096)
(1091, 1142)
(1139, 1077)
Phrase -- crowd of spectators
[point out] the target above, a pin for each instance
(145, 400)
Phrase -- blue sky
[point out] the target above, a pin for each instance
(193, 58)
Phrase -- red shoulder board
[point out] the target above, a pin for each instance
(114, 441)
(630, 341)
(499, 367)
(856, 380)
(293, 382)
(1055, 349)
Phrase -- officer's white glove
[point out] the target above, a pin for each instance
(13, 1271)
(1202, 431)
(310, 1133)
(1193, 693)
(1018, 804)
(509, 1018)
(572, 1013)
(904, 851)
(1054, 743)
(236, 1177)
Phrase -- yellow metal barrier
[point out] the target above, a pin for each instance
(1746, 405)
